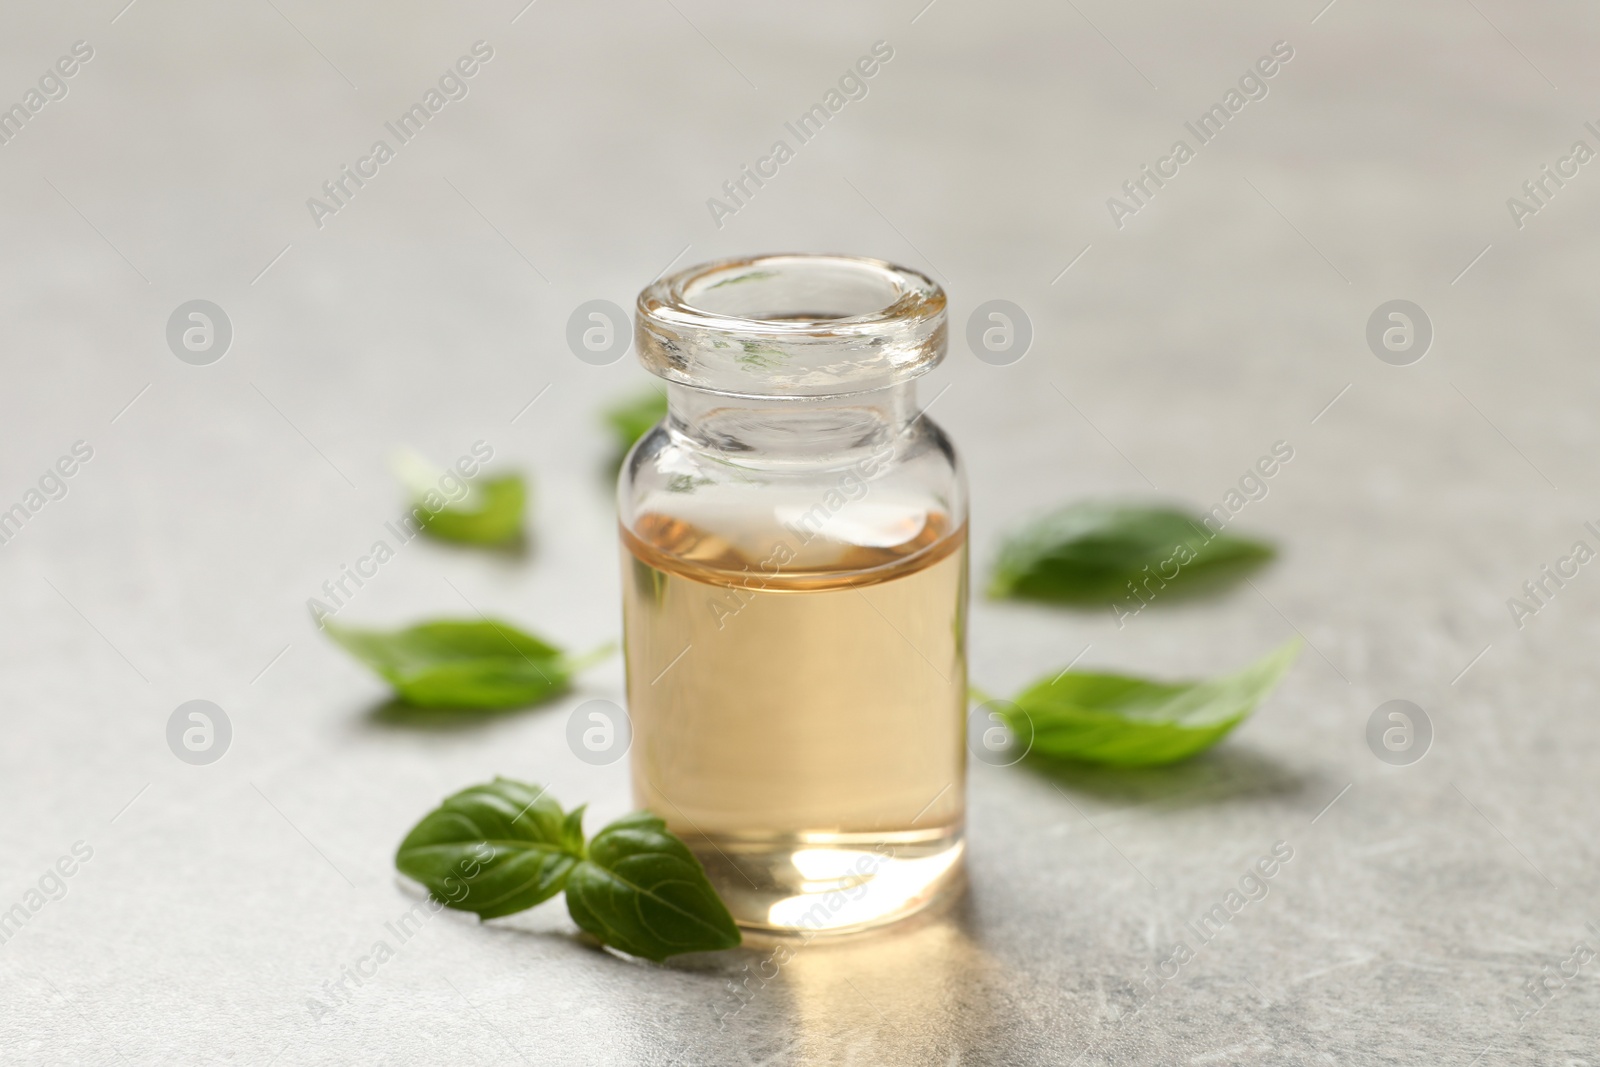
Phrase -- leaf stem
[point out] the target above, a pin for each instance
(584, 661)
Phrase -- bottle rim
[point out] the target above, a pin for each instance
(791, 325)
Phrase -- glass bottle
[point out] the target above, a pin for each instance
(795, 590)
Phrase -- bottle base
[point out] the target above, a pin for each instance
(829, 883)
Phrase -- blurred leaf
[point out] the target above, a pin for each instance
(463, 664)
(488, 512)
(632, 419)
(1131, 722)
(490, 515)
(1088, 553)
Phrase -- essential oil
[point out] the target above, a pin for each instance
(800, 726)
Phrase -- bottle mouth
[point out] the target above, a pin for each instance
(793, 325)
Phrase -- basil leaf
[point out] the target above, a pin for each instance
(1089, 552)
(642, 891)
(463, 664)
(1130, 722)
(632, 419)
(484, 513)
(493, 849)
(491, 514)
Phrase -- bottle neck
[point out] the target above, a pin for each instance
(799, 432)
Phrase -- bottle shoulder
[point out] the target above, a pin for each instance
(855, 511)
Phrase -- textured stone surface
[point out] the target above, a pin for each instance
(1226, 315)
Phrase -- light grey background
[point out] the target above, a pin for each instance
(1227, 315)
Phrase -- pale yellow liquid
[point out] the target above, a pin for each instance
(801, 726)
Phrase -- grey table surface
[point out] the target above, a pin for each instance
(222, 903)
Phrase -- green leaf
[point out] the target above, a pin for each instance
(1088, 553)
(642, 891)
(463, 664)
(632, 419)
(493, 849)
(488, 512)
(490, 515)
(1131, 722)
(499, 848)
